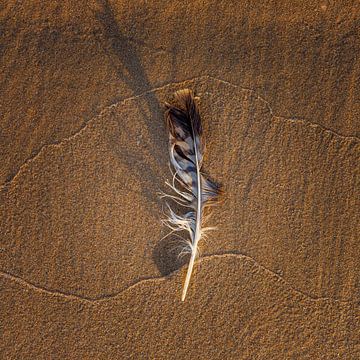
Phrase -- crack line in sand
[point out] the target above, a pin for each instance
(122, 101)
(107, 297)
(117, 103)
(284, 118)
(85, 125)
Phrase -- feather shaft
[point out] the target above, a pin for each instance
(197, 228)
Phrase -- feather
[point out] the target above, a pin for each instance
(193, 190)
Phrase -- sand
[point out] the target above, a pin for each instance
(84, 274)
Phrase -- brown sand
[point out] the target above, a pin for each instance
(84, 152)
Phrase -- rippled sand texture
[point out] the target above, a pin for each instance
(84, 274)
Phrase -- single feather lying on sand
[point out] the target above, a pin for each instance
(193, 190)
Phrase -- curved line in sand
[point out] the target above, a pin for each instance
(152, 279)
(140, 282)
(116, 104)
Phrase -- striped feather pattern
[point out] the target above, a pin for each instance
(192, 189)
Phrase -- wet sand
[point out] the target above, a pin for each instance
(84, 153)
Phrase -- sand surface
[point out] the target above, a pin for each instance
(83, 149)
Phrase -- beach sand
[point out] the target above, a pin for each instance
(84, 272)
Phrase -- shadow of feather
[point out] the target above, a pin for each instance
(166, 255)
